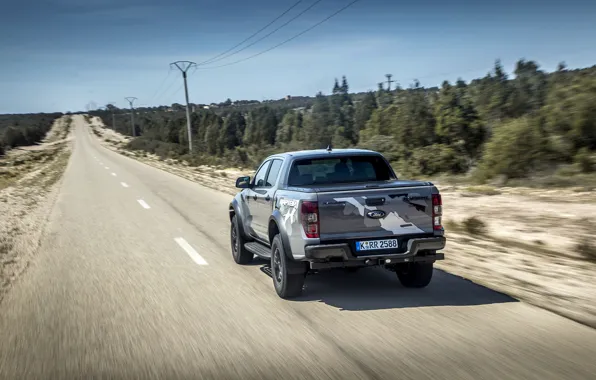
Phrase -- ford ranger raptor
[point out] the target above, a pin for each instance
(311, 210)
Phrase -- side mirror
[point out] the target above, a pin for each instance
(243, 182)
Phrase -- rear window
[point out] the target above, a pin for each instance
(349, 169)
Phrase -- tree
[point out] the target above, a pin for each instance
(290, 128)
(317, 132)
(528, 90)
(232, 131)
(458, 124)
(422, 131)
(362, 113)
(211, 138)
(413, 124)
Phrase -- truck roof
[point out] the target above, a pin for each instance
(317, 153)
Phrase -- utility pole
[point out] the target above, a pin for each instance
(184, 66)
(389, 81)
(112, 107)
(130, 100)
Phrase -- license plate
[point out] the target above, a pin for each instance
(369, 245)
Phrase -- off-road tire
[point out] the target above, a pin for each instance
(240, 254)
(415, 275)
(286, 285)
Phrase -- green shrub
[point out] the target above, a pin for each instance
(160, 148)
(584, 161)
(474, 226)
(438, 158)
(515, 149)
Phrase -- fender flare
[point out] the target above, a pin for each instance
(235, 208)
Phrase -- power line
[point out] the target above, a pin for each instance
(288, 40)
(160, 85)
(270, 33)
(166, 91)
(254, 34)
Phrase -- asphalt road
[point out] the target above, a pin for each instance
(135, 279)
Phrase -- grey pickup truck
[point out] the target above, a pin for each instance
(335, 208)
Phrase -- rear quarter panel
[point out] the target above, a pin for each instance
(287, 204)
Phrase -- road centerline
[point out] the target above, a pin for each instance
(198, 259)
(143, 203)
(124, 184)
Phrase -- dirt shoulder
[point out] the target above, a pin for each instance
(532, 244)
(29, 181)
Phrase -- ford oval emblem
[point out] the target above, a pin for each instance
(376, 214)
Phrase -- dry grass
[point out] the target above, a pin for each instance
(482, 190)
(27, 179)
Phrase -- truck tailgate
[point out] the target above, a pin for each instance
(375, 213)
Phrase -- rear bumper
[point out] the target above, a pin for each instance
(427, 248)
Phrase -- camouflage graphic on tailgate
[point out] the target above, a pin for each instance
(392, 222)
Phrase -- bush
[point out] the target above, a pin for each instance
(160, 148)
(515, 149)
(438, 158)
(474, 226)
(584, 160)
(586, 248)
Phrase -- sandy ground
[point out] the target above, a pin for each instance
(29, 179)
(528, 250)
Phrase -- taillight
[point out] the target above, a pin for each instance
(437, 211)
(310, 219)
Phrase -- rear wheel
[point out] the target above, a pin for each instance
(240, 254)
(287, 283)
(415, 275)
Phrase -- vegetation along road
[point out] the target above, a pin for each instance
(134, 279)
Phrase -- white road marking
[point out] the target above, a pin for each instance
(107, 168)
(124, 184)
(143, 203)
(114, 174)
(190, 251)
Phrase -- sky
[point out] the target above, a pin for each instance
(61, 55)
